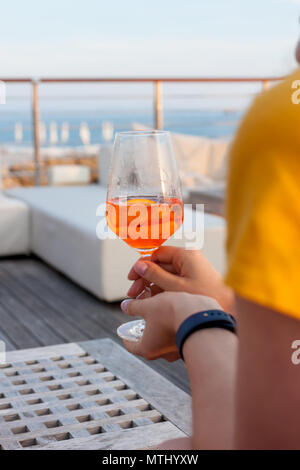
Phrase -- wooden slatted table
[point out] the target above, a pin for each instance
(89, 395)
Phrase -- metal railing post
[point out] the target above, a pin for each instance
(36, 132)
(266, 84)
(158, 105)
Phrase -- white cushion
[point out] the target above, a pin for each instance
(64, 225)
(201, 160)
(14, 227)
(218, 161)
(58, 175)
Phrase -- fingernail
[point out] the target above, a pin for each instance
(124, 305)
(140, 268)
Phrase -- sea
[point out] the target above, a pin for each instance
(211, 110)
(210, 123)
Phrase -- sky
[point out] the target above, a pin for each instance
(125, 38)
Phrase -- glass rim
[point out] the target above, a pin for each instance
(142, 133)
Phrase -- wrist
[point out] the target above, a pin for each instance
(184, 305)
(207, 319)
(179, 318)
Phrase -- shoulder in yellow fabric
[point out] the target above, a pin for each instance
(263, 201)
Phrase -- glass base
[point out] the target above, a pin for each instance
(132, 330)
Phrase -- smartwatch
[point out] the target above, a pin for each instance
(201, 320)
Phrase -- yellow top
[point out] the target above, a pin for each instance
(263, 201)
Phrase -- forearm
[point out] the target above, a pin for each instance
(225, 296)
(210, 357)
(268, 383)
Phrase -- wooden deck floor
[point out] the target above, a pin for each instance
(39, 307)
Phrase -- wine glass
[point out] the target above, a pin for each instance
(144, 204)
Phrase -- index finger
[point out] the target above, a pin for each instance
(134, 276)
(167, 254)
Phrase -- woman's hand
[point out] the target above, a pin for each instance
(177, 269)
(163, 314)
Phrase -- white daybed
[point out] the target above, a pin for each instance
(14, 227)
(63, 233)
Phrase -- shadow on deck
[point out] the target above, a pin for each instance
(39, 307)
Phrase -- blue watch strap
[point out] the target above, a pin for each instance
(201, 320)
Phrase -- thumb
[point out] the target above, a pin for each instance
(133, 347)
(152, 272)
(137, 307)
